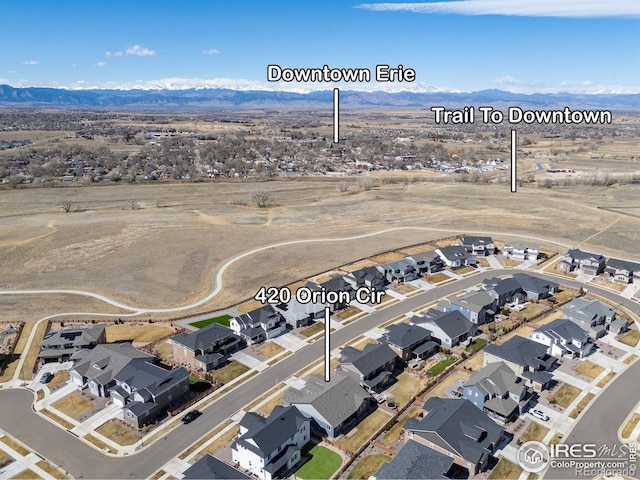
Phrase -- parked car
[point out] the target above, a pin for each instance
(540, 414)
(46, 377)
(191, 416)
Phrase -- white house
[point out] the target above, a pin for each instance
(564, 338)
(271, 447)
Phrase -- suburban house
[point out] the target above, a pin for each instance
(271, 447)
(205, 349)
(592, 315)
(298, 314)
(447, 328)
(622, 271)
(403, 270)
(373, 366)
(145, 390)
(455, 256)
(496, 390)
(478, 246)
(455, 427)
(210, 468)
(428, 262)
(366, 277)
(259, 325)
(335, 407)
(97, 367)
(409, 341)
(415, 460)
(60, 345)
(335, 284)
(564, 338)
(504, 290)
(585, 262)
(528, 359)
(477, 307)
(536, 288)
(521, 250)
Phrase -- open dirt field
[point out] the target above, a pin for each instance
(163, 257)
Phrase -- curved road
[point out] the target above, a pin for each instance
(83, 461)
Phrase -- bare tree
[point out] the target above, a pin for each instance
(66, 205)
(342, 186)
(13, 181)
(263, 199)
(366, 183)
(133, 205)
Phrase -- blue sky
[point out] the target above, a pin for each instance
(466, 45)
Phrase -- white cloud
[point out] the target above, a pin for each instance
(526, 8)
(100, 64)
(30, 62)
(12, 72)
(134, 51)
(213, 51)
(515, 85)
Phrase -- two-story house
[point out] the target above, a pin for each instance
(403, 270)
(409, 341)
(564, 338)
(521, 250)
(584, 262)
(478, 246)
(145, 390)
(373, 366)
(259, 325)
(447, 328)
(205, 349)
(371, 277)
(455, 256)
(60, 345)
(271, 447)
(496, 390)
(622, 271)
(477, 307)
(428, 262)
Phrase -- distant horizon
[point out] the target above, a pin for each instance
(518, 46)
(303, 89)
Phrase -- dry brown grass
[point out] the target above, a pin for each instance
(229, 372)
(606, 379)
(582, 404)
(17, 351)
(404, 288)
(73, 405)
(530, 311)
(631, 338)
(556, 439)
(589, 369)
(387, 257)
(565, 295)
(312, 330)
(270, 349)
(405, 389)
(224, 439)
(630, 425)
(474, 362)
(348, 312)
(31, 357)
(11, 443)
(51, 470)
(564, 395)
(438, 277)
(268, 406)
(58, 378)
(118, 433)
(534, 431)
(196, 446)
(505, 470)
(352, 267)
(145, 333)
(394, 432)
(26, 475)
(363, 431)
(604, 283)
(364, 343)
(99, 443)
(630, 359)
(250, 306)
(56, 418)
(163, 349)
(39, 395)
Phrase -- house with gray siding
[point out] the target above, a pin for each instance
(415, 460)
(584, 262)
(205, 349)
(478, 307)
(447, 328)
(334, 407)
(374, 366)
(455, 256)
(564, 339)
(622, 271)
(259, 325)
(428, 262)
(409, 341)
(60, 345)
(478, 246)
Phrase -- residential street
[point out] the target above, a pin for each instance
(82, 461)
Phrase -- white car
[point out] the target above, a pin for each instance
(540, 414)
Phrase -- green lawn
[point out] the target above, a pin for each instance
(476, 345)
(322, 465)
(222, 320)
(197, 384)
(439, 367)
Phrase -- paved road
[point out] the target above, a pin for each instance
(82, 461)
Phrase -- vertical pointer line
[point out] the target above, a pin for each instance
(327, 344)
(514, 171)
(336, 116)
